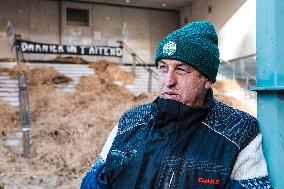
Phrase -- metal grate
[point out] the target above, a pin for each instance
(77, 17)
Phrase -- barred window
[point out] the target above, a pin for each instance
(77, 17)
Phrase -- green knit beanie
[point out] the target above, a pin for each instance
(195, 44)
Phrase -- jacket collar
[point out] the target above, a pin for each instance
(179, 115)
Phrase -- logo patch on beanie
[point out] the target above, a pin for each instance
(170, 48)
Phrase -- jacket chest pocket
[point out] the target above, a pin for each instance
(117, 161)
(178, 172)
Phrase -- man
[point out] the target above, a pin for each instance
(185, 138)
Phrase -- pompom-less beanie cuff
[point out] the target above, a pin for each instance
(195, 44)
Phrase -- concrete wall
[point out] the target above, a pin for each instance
(161, 24)
(33, 19)
(18, 13)
(45, 21)
(44, 25)
(234, 21)
(76, 35)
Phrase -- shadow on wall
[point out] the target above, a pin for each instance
(218, 11)
(234, 21)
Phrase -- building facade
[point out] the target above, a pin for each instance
(89, 24)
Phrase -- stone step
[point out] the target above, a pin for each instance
(9, 98)
(4, 74)
(9, 89)
(8, 86)
(58, 65)
(8, 94)
(9, 82)
(62, 67)
(4, 77)
(69, 89)
(14, 104)
(7, 64)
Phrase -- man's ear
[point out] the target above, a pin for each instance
(208, 84)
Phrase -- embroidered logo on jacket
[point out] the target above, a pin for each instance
(208, 181)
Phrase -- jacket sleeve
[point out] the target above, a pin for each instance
(94, 178)
(250, 169)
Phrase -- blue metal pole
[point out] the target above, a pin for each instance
(270, 85)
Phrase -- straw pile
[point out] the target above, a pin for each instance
(4, 70)
(223, 86)
(220, 89)
(68, 131)
(70, 60)
(37, 76)
(8, 119)
(7, 60)
(46, 75)
(112, 71)
(13, 71)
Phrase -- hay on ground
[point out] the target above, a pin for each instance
(112, 71)
(9, 119)
(19, 67)
(42, 75)
(70, 59)
(46, 75)
(7, 60)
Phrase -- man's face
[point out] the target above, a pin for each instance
(181, 82)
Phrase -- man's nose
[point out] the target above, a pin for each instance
(170, 79)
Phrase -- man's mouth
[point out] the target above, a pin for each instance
(170, 93)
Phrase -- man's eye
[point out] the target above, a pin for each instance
(163, 68)
(182, 71)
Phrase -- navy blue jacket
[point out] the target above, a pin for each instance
(166, 144)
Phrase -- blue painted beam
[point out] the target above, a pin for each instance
(270, 85)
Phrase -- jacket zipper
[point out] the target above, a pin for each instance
(171, 180)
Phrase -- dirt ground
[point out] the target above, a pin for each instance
(68, 129)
